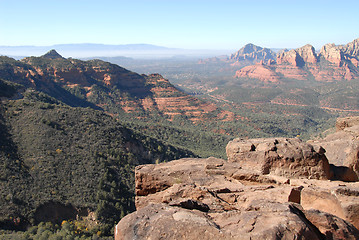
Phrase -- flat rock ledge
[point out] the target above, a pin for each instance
(217, 199)
(270, 188)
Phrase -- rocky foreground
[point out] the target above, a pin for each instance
(275, 188)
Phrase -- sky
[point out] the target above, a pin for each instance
(195, 24)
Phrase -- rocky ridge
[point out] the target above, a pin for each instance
(253, 53)
(332, 63)
(274, 188)
(106, 86)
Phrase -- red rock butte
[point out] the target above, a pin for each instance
(332, 63)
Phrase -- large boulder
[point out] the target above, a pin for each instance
(288, 157)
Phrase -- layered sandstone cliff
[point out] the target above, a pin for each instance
(109, 87)
(332, 63)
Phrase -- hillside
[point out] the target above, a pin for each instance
(107, 86)
(62, 163)
(125, 95)
(153, 106)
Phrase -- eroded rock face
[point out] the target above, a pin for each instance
(288, 157)
(307, 53)
(331, 226)
(352, 48)
(332, 53)
(291, 57)
(160, 221)
(55, 75)
(333, 63)
(298, 57)
(216, 199)
(258, 71)
(342, 147)
(253, 53)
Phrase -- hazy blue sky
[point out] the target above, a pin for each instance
(209, 24)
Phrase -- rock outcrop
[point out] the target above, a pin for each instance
(342, 148)
(253, 53)
(268, 189)
(258, 71)
(332, 53)
(332, 63)
(280, 156)
(298, 57)
(308, 55)
(291, 57)
(352, 48)
(343, 123)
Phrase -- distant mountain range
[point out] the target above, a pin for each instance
(102, 50)
(331, 63)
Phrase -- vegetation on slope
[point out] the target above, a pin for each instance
(60, 163)
(62, 158)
